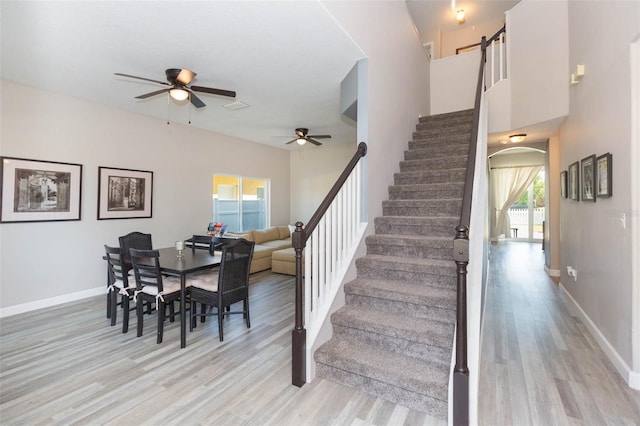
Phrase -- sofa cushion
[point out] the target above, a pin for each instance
(247, 236)
(262, 235)
(284, 232)
(277, 244)
(260, 251)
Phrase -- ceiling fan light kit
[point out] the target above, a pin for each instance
(179, 80)
(303, 137)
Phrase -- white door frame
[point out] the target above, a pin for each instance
(634, 375)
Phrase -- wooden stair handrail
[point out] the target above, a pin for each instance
(461, 256)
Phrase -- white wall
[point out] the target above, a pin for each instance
(313, 173)
(398, 78)
(57, 259)
(593, 239)
(454, 80)
(537, 52)
(469, 35)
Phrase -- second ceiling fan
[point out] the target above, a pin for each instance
(178, 86)
(303, 137)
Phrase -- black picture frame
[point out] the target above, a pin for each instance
(573, 184)
(124, 193)
(588, 172)
(563, 184)
(39, 190)
(604, 174)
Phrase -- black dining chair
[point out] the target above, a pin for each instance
(204, 242)
(153, 287)
(228, 285)
(136, 240)
(119, 285)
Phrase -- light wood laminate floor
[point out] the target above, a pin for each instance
(65, 365)
(539, 364)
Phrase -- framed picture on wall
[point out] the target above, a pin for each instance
(588, 165)
(39, 191)
(604, 184)
(563, 184)
(124, 193)
(573, 181)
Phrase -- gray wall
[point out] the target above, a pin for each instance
(593, 240)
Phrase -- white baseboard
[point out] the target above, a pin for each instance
(552, 272)
(632, 378)
(53, 301)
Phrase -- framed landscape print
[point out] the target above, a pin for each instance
(39, 191)
(124, 193)
(563, 184)
(588, 165)
(604, 184)
(574, 180)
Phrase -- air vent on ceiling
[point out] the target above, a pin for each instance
(236, 105)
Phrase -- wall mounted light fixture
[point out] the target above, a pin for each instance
(460, 16)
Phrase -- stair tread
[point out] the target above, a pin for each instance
(408, 260)
(398, 370)
(418, 330)
(422, 201)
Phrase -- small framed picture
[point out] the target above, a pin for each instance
(573, 181)
(39, 191)
(588, 165)
(604, 183)
(563, 184)
(124, 193)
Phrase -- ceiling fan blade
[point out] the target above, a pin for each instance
(196, 101)
(229, 93)
(313, 141)
(148, 95)
(164, 83)
(291, 141)
(320, 136)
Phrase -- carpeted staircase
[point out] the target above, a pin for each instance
(394, 336)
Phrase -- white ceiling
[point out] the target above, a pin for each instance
(285, 59)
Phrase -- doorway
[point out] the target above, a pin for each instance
(526, 215)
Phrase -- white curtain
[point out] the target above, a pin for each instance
(506, 186)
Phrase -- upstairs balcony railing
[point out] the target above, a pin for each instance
(328, 243)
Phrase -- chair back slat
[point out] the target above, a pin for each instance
(146, 267)
(201, 240)
(117, 267)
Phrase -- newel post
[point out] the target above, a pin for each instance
(299, 334)
(461, 370)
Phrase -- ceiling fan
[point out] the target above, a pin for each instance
(302, 137)
(178, 86)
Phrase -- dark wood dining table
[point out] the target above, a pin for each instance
(190, 262)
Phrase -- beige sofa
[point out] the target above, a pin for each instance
(267, 241)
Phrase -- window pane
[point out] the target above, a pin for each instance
(240, 203)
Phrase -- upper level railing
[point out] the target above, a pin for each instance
(327, 240)
(461, 254)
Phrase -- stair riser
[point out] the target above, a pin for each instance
(424, 229)
(466, 115)
(436, 310)
(427, 404)
(408, 276)
(444, 142)
(412, 251)
(438, 124)
(402, 209)
(444, 131)
(403, 193)
(424, 351)
(426, 177)
(434, 165)
(442, 153)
